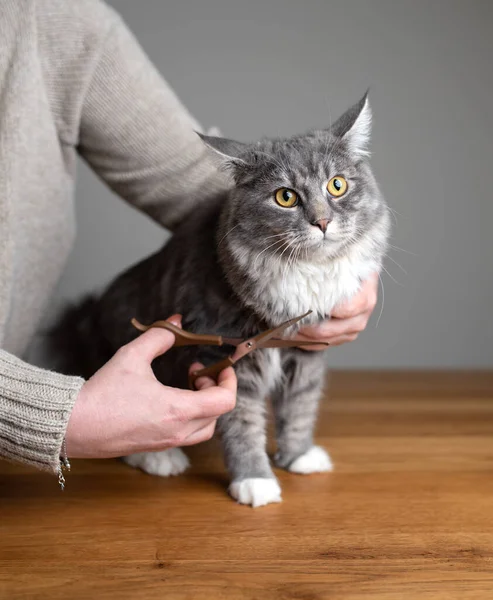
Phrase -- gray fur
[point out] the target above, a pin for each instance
(225, 270)
(296, 404)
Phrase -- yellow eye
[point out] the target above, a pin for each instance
(286, 198)
(337, 186)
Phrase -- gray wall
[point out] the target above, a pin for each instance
(258, 67)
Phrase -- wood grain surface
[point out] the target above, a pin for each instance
(407, 513)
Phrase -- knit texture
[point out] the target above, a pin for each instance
(36, 406)
(73, 80)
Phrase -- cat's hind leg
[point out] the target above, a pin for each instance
(164, 463)
(173, 461)
(295, 405)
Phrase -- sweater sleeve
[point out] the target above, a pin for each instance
(35, 406)
(138, 137)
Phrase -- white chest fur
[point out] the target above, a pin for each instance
(284, 291)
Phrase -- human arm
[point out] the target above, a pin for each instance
(120, 410)
(35, 406)
(135, 133)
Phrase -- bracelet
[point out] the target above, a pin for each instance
(64, 464)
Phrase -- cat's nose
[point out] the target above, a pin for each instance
(322, 224)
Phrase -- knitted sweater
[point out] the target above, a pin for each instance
(73, 80)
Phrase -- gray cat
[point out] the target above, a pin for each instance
(300, 229)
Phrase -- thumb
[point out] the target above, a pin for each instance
(155, 341)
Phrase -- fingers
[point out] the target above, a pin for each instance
(202, 383)
(152, 343)
(212, 398)
(213, 402)
(204, 431)
(343, 339)
(221, 400)
(348, 319)
(333, 329)
(227, 380)
(364, 301)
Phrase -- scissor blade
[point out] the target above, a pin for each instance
(287, 343)
(266, 335)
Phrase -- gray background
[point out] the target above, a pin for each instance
(269, 67)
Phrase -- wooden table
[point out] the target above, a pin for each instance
(407, 514)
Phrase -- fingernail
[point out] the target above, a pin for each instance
(175, 320)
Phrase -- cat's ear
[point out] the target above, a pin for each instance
(354, 127)
(228, 151)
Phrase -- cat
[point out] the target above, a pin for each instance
(302, 226)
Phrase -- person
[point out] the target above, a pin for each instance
(74, 81)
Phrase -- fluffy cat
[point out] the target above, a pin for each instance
(303, 225)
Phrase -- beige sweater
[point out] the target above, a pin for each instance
(73, 80)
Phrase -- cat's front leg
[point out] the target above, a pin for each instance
(243, 433)
(295, 407)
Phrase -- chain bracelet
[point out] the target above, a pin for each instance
(64, 464)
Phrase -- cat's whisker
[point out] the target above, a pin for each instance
(301, 247)
(262, 251)
(333, 149)
(327, 143)
(281, 166)
(270, 237)
(393, 279)
(402, 250)
(396, 263)
(295, 240)
(284, 246)
(383, 300)
(226, 234)
(283, 233)
(290, 242)
(293, 256)
(277, 241)
(393, 213)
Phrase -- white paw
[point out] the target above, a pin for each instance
(256, 491)
(164, 463)
(316, 460)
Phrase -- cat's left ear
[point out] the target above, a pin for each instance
(354, 127)
(228, 151)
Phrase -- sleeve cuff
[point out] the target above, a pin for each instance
(35, 406)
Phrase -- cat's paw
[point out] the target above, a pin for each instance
(164, 463)
(256, 491)
(315, 460)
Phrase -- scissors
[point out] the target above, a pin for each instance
(265, 339)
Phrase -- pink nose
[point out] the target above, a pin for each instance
(322, 224)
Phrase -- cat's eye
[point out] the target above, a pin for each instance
(337, 186)
(286, 197)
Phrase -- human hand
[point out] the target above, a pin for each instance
(123, 409)
(347, 321)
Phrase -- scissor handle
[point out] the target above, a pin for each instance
(212, 371)
(182, 337)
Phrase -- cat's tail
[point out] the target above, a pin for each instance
(75, 343)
